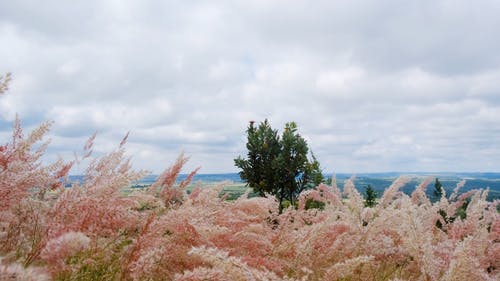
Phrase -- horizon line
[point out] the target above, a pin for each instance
(343, 173)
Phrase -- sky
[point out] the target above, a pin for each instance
(374, 86)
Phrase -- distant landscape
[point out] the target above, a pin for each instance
(379, 181)
(334, 140)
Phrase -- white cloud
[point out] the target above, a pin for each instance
(377, 86)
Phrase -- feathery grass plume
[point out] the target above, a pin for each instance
(4, 83)
(20, 166)
(162, 249)
(75, 210)
(454, 195)
(354, 200)
(99, 196)
(87, 148)
(184, 183)
(226, 266)
(493, 251)
(465, 264)
(58, 250)
(23, 182)
(16, 271)
(249, 231)
(393, 190)
(336, 190)
(124, 140)
(436, 259)
(172, 228)
(418, 195)
(322, 193)
(164, 185)
(169, 176)
(133, 252)
(351, 269)
(239, 227)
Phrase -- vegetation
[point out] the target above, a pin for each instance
(438, 189)
(4, 82)
(93, 231)
(278, 166)
(371, 196)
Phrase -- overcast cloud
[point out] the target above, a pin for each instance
(373, 85)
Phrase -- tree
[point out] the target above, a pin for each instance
(438, 189)
(278, 166)
(260, 169)
(371, 196)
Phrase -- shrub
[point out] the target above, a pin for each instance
(278, 166)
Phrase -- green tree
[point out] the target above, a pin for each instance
(260, 169)
(371, 196)
(278, 165)
(438, 189)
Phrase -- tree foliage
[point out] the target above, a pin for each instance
(438, 189)
(278, 165)
(371, 196)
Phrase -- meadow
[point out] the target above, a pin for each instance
(233, 189)
(233, 185)
(94, 231)
(100, 228)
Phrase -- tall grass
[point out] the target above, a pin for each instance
(93, 231)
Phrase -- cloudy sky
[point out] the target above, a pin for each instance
(374, 85)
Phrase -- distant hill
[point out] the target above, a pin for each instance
(379, 181)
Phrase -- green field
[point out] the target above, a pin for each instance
(235, 190)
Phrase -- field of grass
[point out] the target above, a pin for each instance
(234, 189)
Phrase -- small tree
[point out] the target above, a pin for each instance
(438, 190)
(371, 197)
(278, 166)
(260, 169)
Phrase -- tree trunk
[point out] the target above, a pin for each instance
(281, 202)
